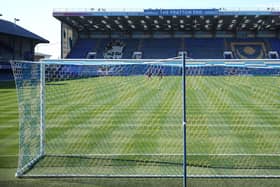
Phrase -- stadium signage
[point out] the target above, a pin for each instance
(180, 12)
(167, 12)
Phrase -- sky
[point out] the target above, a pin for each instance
(36, 15)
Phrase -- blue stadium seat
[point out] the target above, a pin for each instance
(198, 48)
(274, 44)
(82, 47)
(160, 48)
(205, 48)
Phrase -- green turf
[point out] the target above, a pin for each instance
(226, 115)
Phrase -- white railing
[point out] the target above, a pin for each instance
(222, 9)
(98, 10)
(268, 8)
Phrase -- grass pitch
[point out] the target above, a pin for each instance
(233, 129)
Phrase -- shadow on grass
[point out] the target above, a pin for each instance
(55, 84)
(7, 85)
(134, 182)
(101, 182)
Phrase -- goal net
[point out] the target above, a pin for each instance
(123, 118)
(99, 118)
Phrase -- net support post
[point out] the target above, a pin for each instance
(20, 172)
(184, 123)
(42, 109)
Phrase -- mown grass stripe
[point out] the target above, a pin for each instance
(244, 105)
(259, 112)
(66, 128)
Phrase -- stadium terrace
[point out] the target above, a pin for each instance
(166, 33)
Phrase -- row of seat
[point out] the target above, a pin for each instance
(169, 47)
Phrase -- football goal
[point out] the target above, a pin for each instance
(148, 118)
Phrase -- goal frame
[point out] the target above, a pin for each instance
(248, 63)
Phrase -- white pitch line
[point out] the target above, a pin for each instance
(78, 155)
(234, 154)
(176, 125)
(152, 176)
(225, 125)
(234, 176)
(189, 154)
(8, 126)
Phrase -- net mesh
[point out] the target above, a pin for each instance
(27, 77)
(115, 119)
(107, 120)
(233, 124)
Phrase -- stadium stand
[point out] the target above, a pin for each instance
(164, 33)
(255, 48)
(16, 43)
(205, 48)
(274, 44)
(197, 48)
(82, 47)
(160, 48)
(131, 45)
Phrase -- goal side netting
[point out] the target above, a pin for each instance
(114, 118)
